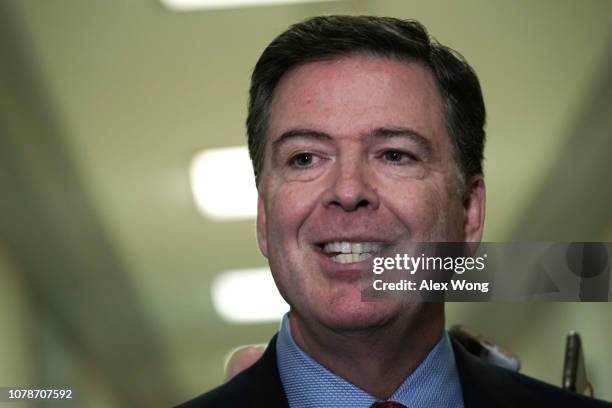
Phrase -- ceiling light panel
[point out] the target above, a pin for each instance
(188, 5)
(247, 296)
(223, 184)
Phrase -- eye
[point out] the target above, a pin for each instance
(399, 157)
(303, 160)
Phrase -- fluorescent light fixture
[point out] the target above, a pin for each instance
(223, 184)
(247, 296)
(186, 5)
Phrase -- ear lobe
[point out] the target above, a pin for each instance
(262, 234)
(474, 206)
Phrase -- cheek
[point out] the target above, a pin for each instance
(288, 209)
(420, 206)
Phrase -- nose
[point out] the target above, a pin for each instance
(351, 187)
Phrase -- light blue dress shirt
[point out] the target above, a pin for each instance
(307, 384)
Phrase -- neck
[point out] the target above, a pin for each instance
(379, 359)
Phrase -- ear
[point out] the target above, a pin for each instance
(474, 206)
(262, 231)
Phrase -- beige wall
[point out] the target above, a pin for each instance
(17, 352)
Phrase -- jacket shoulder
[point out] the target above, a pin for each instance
(484, 384)
(236, 393)
(534, 392)
(257, 386)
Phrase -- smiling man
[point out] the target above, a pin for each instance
(365, 135)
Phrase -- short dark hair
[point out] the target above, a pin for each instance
(323, 37)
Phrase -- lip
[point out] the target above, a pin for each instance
(354, 238)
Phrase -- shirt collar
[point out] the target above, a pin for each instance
(435, 382)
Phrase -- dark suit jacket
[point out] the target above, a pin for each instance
(483, 385)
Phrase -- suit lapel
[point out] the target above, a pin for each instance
(480, 385)
(270, 391)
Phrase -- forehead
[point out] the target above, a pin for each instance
(350, 95)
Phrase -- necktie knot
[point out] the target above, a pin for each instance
(387, 404)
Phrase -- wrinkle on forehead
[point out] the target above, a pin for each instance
(339, 91)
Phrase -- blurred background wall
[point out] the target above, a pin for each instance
(106, 265)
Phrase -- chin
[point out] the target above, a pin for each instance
(348, 313)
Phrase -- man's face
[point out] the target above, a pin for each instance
(357, 158)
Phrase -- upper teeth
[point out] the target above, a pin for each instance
(346, 247)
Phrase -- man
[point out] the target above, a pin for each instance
(366, 135)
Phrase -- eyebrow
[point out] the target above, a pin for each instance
(401, 132)
(377, 133)
(299, 133)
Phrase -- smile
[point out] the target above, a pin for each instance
(345, 252)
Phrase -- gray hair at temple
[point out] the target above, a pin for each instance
(325, 37)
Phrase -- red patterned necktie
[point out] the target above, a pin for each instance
(387, 404)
